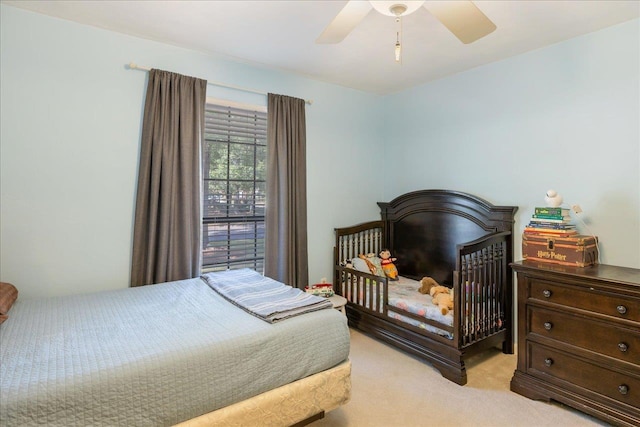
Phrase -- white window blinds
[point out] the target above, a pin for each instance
(234, 158)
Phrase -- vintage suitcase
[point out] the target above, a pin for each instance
(578, 250)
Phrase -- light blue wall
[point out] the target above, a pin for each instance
(70, 131)
(70, 121)
(565, 117)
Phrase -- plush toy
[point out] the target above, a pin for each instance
(438, 289)
(441, 296)
(346, 263)
(426, 284)
(388, 266)
(372, 268)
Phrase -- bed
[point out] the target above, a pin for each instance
(167, 354)
(462, 242)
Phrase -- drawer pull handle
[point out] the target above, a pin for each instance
(548, 325)
(623, 347)
(549, 361)
(621, 309)
(623, 389)
(546, 293)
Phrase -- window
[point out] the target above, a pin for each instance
(234, 157)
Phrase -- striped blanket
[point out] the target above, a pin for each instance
(263, 297)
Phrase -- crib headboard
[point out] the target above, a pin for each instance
(423, 228)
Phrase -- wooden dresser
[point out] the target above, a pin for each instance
(579, 338)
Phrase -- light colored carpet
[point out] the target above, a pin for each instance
(391, 388)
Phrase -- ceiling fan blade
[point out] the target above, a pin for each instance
(350, 16)
(462, 18)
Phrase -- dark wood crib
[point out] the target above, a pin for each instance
(461, 241)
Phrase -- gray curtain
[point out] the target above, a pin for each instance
(286, 210)
(167, 228)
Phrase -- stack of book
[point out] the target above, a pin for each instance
(551, 221)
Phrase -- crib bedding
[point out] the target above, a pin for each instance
(404, 295)
(153, 355)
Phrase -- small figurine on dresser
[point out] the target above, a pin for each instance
(551, 236)
(553, 199)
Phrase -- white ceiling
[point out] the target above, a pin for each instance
(281, 34)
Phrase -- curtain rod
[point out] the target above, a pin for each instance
(134, 66)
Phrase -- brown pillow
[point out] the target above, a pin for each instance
(8, 295)
(3, 317)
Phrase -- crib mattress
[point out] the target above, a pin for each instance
(404, 295)
(153, 355)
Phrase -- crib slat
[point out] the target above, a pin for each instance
(484, 297)
(481, 297)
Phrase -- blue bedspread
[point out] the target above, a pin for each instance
(262, 296)
(154, 355)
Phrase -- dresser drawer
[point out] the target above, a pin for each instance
(546, 362)
(579, 338)
(604, 338)
(620, 306)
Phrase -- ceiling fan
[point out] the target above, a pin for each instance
(462, 18)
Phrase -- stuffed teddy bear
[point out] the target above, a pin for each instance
(441, 296)
(388, 266)
(426, 284)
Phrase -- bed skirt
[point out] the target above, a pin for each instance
(286, 405)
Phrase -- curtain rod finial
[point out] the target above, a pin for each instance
(134, 66)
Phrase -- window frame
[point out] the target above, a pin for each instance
(255, 232)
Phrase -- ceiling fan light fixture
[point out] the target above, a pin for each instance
(462, 17)
(398, 9)
(391, 8)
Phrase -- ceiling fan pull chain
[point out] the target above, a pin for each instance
(398, 47)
